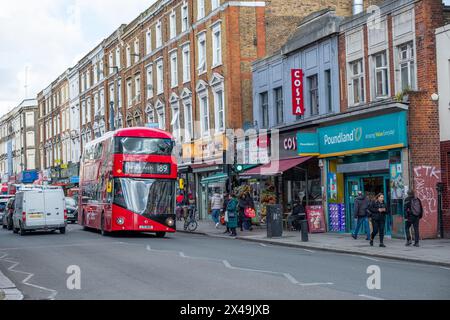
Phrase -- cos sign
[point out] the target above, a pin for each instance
(290, 143)
(298, 105)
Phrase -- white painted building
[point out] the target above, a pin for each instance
(74, 96)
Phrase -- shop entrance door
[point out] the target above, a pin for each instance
(371, 185)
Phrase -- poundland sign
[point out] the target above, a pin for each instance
(377, 133)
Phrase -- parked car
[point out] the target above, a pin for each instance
(40, 208)
(7, 217)
(3, 208)
(72, 210)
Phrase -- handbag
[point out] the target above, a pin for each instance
(222, 220)
(250, 213)
(226, 216)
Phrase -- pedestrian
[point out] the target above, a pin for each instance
(298, 214)
(360, 214)
(378, 212)
(245, 203)
(413, 214)
(180, 202)
(226, 200)
(216, 206)
(232, 209)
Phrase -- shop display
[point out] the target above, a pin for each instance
(336, 213)
(268, 197)
(316, 219)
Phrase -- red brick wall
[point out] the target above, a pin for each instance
(445, 175)
(423, 112)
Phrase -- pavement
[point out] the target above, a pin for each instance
(8, 290)
(181, 266)
(433, 251)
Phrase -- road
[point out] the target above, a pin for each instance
(195, 267)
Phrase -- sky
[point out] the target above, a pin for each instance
(46, 37)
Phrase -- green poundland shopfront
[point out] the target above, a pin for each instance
(368, 155)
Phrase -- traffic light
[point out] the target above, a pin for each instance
(238, 168)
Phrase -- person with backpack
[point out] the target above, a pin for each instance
(360, 214)
(413, 214)
(378, 211)
(216, 207)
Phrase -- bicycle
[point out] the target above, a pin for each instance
(190, 222)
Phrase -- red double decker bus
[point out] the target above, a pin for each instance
(127, 182)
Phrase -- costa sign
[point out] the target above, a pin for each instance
(298, 106)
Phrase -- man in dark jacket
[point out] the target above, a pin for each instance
(360, 213)
(298, 214)
(413, 214)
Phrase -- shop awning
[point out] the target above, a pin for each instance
(219, 177)
(276, 167)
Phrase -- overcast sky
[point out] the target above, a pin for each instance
(48, 36)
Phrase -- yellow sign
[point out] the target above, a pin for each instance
(64, 166)
(109, 187)
(181, 184)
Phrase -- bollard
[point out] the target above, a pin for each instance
(304, 231)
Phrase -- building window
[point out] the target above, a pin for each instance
(118, 58)
(96, 106)
(161, 118)
(129, 94)
(204, 114)
(148, 42)
(407, 66)
(200, 9)
(217, 45)
(264, 104)
(136, 51)
(110, 63)
(189, 131)
(381, 74)
(159, 77)
(158, 34)
(186, 64)
(173, 24)
(149, 82)
(88, 111)
(95, 80)
(102, 102)
(328, 91)
(173, 70)
(128, 56)
(279, 112)
(313, 86)
(176, 129)
(184, 18)
(219, 110)
(214, 4)
(357, 82)
(202, 53)
(137, 89)
(119, 94)
(101, 76)
(150, 115)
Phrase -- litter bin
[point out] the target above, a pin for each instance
(274, 221)
(304, 231)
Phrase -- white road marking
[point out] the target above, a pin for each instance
(308, 250)
(445, 268)
(370, 297)
(229, 266)
(263, 245)
(14, 264)
(364, 257)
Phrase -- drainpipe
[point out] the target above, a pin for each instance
(357, 7)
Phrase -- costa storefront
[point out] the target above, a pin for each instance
(368, 155)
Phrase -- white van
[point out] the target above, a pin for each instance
(40, 208)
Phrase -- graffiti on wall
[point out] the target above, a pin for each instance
(425, 180)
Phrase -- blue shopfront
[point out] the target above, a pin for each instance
(368, 155)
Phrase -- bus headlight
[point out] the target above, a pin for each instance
(170, 222)
(120, 221)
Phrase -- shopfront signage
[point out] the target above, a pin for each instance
(376, 133)
(298, 105)
(307, 144)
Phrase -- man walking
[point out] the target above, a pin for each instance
(216, 206)
(413, 214)
(360, 213)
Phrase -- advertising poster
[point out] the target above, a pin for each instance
(316, 219)
(332, 187)
(397, 185)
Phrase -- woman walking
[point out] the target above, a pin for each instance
(378, 212)
(232, 209)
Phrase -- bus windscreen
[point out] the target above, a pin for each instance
(143, 146)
